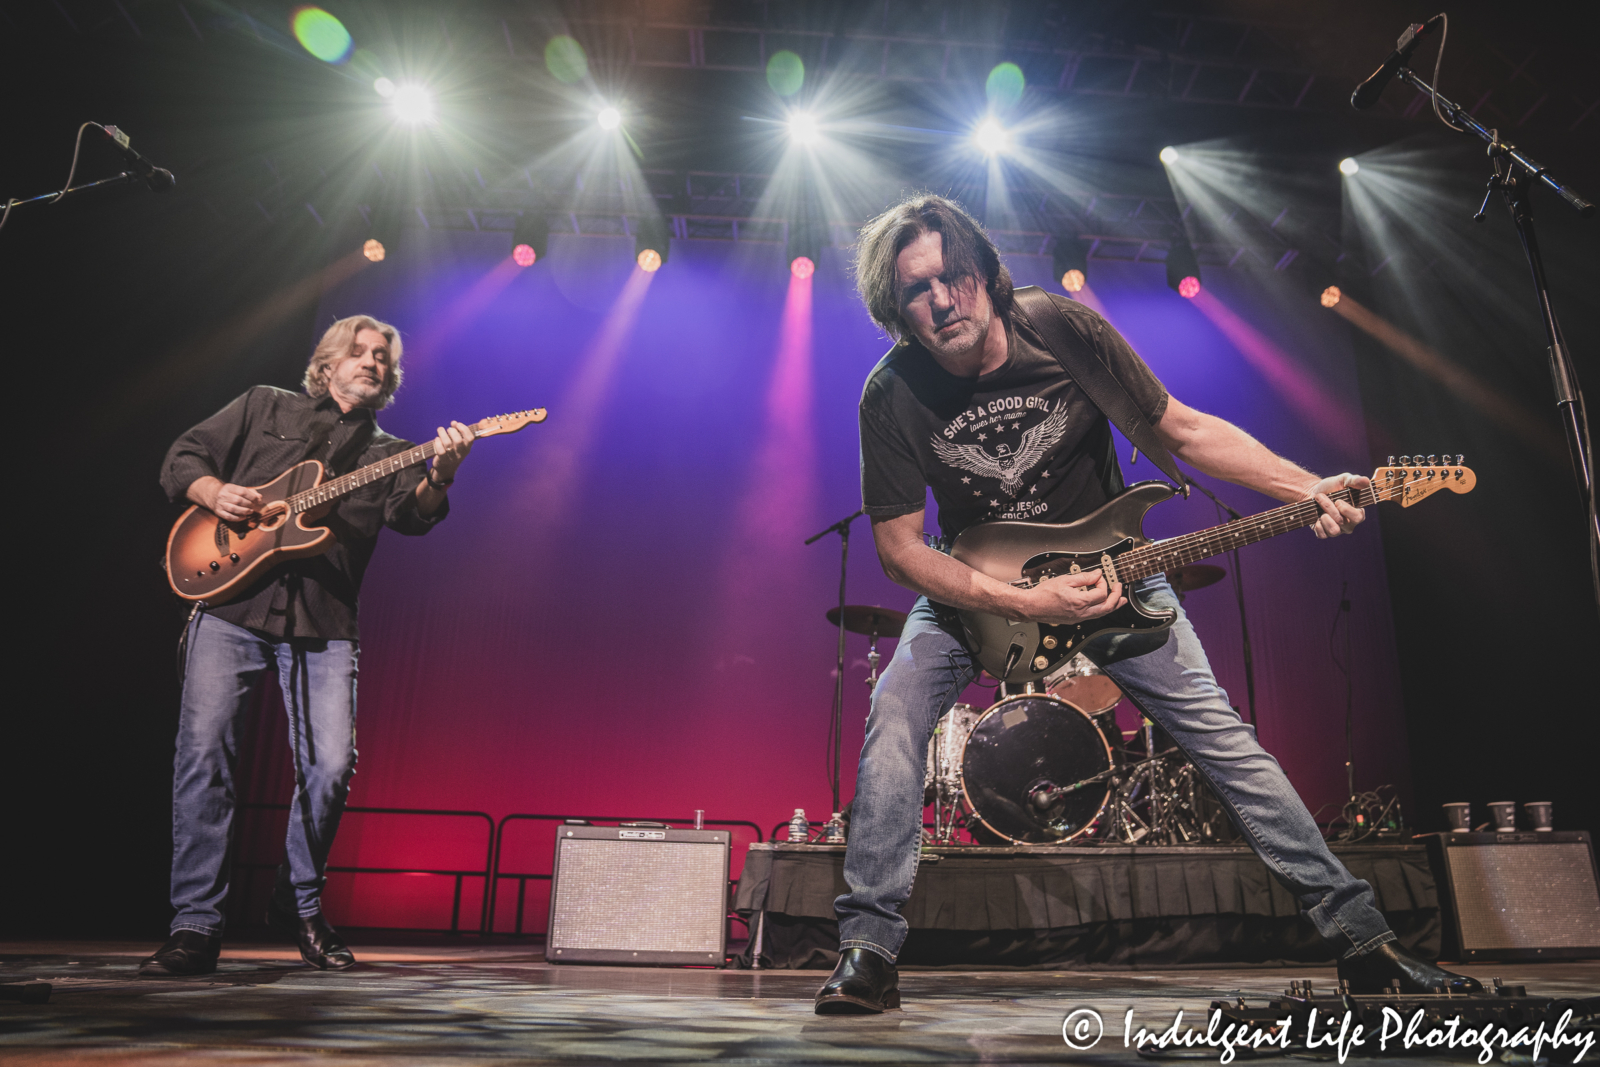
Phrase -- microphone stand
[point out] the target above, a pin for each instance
(1515, 174)
(1238, 592)
(836, 723)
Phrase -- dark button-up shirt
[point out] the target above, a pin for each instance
(259, 436)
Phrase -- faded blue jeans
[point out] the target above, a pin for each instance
(224, 666)
(1168, 678)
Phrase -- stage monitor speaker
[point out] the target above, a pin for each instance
(1519, 896)
(627, 894)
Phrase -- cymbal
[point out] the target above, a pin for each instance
(1195, 576)
(868, 619)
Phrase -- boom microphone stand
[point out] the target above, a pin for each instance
(836, 723)
(1515, 174)
(1238, 592)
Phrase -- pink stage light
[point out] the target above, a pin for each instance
(1188, 287)
(802, 267)
(524, 255)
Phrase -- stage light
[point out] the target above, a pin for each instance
(991, 138)
(412, 103)
(1183, 268)
(373, 250)
(1348, 166)
(802, 267)
(530, 238)
(610, 118)
(384, 87)
(321, 34)
(1169, 155)
(803, 128)
(1330, 296)
(652, 243)
(1071, 263)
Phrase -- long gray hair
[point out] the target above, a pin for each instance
(336, 344)
(968, 253)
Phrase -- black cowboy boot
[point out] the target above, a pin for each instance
(186, 952)
(864, 983)
(320, 944)
(1378, 970)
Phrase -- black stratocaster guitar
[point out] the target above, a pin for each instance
(1112, 540)
(213, 560)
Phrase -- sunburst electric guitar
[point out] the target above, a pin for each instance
(1111, 540)
(213, 560)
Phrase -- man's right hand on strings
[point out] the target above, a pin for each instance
(229, 502)
(1072, 598)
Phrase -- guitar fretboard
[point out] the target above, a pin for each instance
(1168, 555)
(329, 491)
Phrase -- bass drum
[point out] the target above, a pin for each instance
(1034, 771)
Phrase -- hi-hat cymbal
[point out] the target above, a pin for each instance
(867, 619)
(1195, 576)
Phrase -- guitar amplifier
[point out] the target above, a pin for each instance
(1518, 896)
(639, 894)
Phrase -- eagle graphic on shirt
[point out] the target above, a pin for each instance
(1005, 465)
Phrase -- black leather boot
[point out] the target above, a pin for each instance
(186, 952)
(1377, 971)
(864, 983)
(320, 944)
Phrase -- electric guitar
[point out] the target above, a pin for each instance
(214, 560)
(1111, 540)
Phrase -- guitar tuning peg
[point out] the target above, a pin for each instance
(1460, 458)
(1433, 461)
(1390, 463)
(1405, 461)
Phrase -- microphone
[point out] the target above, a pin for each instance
(1367, 92)
(159, 179)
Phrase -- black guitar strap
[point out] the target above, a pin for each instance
(1076, 353)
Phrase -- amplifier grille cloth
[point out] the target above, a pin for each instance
(1525, 896)
(656, 896)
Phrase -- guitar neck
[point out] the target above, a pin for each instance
(332, 490)
(1203, 544)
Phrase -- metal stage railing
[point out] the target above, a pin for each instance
(485, 921)
(524, 877)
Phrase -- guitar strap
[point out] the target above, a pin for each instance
(1076, 353)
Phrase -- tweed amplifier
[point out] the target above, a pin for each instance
(639, 894)
(1518, 896)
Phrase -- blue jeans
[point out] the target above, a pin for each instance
(1167, 677)
(225, 664)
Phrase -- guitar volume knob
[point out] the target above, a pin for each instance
(234, 556)
(215, 566)
(1049, 641)
(1040, 663)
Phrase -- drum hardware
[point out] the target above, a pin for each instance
(875, 622)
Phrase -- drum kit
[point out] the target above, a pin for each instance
(1050, 765)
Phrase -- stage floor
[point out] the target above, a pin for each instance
(462, 1001)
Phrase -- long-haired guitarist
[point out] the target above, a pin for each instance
(298, 621)
(972, 403)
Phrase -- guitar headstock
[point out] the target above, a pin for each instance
(1416, 477)
(510, 422)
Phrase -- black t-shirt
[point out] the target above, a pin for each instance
(1022, 442)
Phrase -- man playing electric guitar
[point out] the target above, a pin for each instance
(973, 404)
(299, 619)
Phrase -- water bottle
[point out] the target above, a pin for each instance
(799, 828)
(833, 832)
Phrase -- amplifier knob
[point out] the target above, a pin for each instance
(1040, 663)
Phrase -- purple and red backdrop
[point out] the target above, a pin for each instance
(619, 617)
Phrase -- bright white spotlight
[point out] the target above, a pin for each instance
(610, 118)
(412, 103)
(384, 87)
(803, 128)
(991, 137)
(1348, 166)
(1169, 155)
